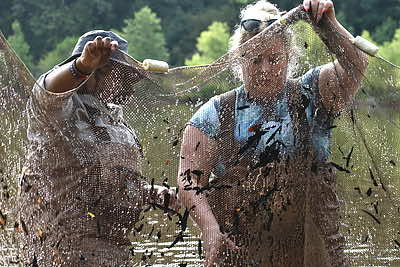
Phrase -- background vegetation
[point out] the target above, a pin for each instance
(180, 31)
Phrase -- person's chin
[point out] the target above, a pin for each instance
(262, 82)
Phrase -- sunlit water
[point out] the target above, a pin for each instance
(187, 253)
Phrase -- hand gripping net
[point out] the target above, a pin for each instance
(84, 201)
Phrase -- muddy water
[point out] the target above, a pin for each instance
(151, 245)
(187, 252)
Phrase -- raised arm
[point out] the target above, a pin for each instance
(339, 80)
(95, 55)
(196, 155)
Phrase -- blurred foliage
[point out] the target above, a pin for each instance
(341, 16)
(385, 74)
(6, 17)
(391, 50)
(211, 44)
(183, 21)
(20, 46)
(311, 50)
(369, 15)
(385, 31)
(145, 37)
(62, 51)
(47, 23)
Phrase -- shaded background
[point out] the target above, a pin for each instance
(43, 32)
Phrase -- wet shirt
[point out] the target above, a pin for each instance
(81, 188)
(277, 124)
(72, 115)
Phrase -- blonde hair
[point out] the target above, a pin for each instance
(262, 10)
(251, 11)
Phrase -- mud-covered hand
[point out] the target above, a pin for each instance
(96, 54)
(319, 8)
(214, 241)
(167, 197)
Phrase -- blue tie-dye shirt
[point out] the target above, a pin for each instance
(207, 119)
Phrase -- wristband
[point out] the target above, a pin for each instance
(77, 74)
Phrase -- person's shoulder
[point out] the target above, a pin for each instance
(206, 118)
(210, 108)
(229, 97)
(48, 101)
(40, 83)
(213, 104)
(310, 79)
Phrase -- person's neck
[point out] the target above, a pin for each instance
(264, 93)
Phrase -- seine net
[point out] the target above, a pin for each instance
(290, 179)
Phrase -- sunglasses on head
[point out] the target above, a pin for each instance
(253, 25)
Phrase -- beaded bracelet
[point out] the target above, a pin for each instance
(76, 73)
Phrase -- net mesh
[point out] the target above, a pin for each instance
(75, 195)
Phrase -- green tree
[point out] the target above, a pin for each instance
(244, 2)
(341, 17)
(6, 17)
(211, 44)
(20, 46)
(184, 20)
(368, 14)
(46, 23)
(367, 35)
(57, 55)
(144, 35)
(380, 74)
(384, 32)
(391, 50)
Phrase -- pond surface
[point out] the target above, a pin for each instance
(187, 252)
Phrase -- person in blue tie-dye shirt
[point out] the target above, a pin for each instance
(264, 150)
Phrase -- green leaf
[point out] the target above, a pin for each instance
(57, 55)
(211, 44)
(145, 37)
(20, 46)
